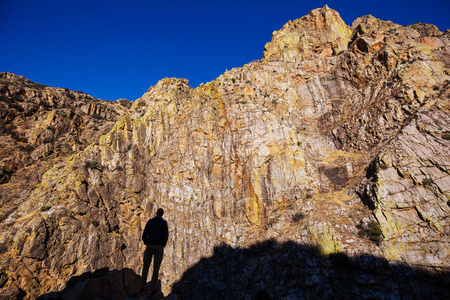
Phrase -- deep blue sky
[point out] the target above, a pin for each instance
(118, 49)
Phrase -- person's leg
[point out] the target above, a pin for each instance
(158, 252)
(147, 261)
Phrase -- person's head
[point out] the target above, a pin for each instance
(160, 212)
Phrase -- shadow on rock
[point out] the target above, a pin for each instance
(272, 270)
(102, 283)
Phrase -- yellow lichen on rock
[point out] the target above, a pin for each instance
(324, 236)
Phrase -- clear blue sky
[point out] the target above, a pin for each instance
(118, 49)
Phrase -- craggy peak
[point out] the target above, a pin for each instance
(321, 171)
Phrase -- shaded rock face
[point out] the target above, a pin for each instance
(102, 284)
(270, 270)
(310, 145)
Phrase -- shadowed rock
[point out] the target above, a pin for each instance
(271, 270)
(101, 284)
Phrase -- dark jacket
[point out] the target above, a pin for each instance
(156, 232)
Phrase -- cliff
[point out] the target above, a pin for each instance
(337, 138)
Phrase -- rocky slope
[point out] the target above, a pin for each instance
(337, 138)
(41, 126)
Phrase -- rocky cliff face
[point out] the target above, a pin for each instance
(337, 138)
(41, 126)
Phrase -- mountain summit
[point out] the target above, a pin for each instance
(337, 140)
(321, 33)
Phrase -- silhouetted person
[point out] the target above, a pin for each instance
(155, 237)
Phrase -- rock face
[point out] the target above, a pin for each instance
(407, 186)
(337, 138)
(321, 33)
(40, 127)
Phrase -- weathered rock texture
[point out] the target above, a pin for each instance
(321, 33)
(41, 126)
(335, 128)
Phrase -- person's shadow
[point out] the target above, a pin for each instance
(271, 270)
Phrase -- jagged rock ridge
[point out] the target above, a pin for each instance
(334, 123)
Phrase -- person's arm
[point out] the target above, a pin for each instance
(145, 233)
(165, 234)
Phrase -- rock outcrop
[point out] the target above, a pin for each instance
(337, 138)
(407, 186)
(321, 33)
(42, 126)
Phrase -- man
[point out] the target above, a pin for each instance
(155, 237)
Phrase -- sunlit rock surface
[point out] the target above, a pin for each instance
(337, 138)
(321, 33)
